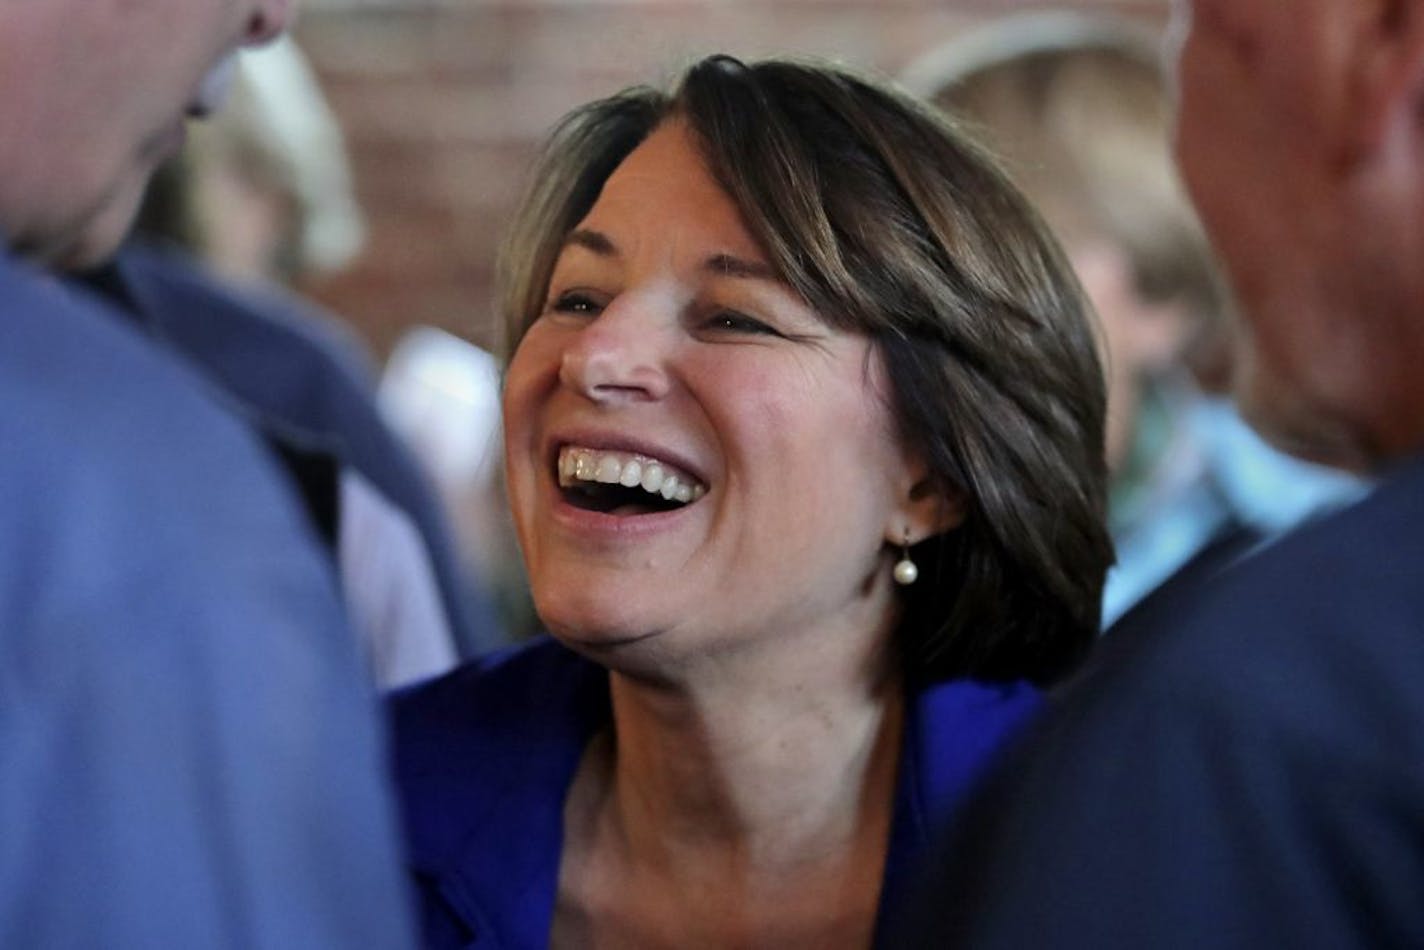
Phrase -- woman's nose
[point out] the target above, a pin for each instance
(619, 356)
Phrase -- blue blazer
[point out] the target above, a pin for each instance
(484, 757)
(189, 752)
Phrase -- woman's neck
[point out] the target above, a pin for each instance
(764, 765)
(744, 803)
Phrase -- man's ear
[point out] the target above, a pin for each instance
(1386, 62)
(928, 508)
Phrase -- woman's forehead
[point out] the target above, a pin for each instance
(664, 192)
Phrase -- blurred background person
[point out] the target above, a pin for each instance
(441, 392)
(262, 193)
(188, 750)
(803, 435)
(1078, 108)
(265, 195)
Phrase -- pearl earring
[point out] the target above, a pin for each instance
(905, 570)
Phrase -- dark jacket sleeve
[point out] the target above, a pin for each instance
(1242, 768)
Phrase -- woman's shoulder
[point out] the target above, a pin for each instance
(954, 732)
(960, 726)
(489, 747)
(497, 691)
(983, 701)
(496, 704)
(483, 758)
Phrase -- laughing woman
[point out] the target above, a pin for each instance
(804, 435)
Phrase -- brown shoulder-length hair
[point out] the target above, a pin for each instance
(890, 223)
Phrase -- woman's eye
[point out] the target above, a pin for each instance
(730, 321)
(577, 303)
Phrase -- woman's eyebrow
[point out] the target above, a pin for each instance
(727, 265)
(722, 265)
(593, 241)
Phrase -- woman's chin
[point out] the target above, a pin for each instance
(643, 654)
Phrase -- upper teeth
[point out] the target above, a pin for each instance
(628, 470)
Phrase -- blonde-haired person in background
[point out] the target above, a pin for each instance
(263, 191)
(1078, 108)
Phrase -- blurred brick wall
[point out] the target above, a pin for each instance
(445, 101)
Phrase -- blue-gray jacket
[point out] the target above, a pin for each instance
(188, 751)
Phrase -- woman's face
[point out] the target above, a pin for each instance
(695, 459)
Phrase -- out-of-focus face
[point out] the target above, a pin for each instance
(99, 91)
(1256, 103)
(695, 460)
(1141, 337)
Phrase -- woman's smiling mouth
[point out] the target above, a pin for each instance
(623, 483)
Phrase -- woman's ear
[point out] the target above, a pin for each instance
(929, 507)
